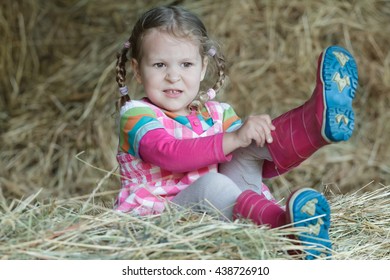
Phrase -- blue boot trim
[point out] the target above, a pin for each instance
(339, 76)
(310, 209)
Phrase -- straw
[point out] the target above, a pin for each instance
(57, 100)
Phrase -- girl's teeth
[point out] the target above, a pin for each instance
(172, 91)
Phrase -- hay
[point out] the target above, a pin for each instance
(57, 96)
(58, 89)
(76, 229)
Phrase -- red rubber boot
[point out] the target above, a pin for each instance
(306, 210)
(327, 117)
(309, 211)
(259, 209)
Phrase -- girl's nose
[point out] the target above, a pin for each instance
(173, 77)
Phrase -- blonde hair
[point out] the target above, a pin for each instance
(180, 23)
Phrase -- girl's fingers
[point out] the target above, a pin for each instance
(262, 136)
(266, 132)
(258, 129)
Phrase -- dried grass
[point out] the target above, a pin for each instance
(57, 95)
(83, 229)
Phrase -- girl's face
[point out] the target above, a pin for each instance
(170, 70)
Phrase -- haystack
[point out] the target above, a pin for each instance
(81, 228)
(57, 117)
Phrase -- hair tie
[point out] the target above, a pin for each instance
(211, 93)
(211, 52)
(124, 90)
(127, 45)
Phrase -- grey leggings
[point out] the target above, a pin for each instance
(218, 192)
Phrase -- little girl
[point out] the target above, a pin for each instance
(177, 145)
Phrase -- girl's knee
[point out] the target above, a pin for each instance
(217, 179)
(218, 184)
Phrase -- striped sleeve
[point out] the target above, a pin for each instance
(231, 121)
(136, 119)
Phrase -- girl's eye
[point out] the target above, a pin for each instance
(187, 64)
(159, 65)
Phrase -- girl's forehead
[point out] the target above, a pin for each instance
(157, 34)
(156, 41)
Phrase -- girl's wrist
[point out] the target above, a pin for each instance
(230, 142)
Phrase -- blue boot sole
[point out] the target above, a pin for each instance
(309, 210)
(339, 76)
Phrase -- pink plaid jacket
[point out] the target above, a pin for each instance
(145, 188)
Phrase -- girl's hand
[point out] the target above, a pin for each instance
(255, 128)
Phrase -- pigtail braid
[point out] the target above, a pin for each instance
(220, 61)
(121, 74)
(203, 96)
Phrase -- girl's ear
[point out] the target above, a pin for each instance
(136, 70)
(204, 67)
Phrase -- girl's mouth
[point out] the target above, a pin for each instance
(173, 93)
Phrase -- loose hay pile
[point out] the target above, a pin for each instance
(57, 95)
(75, 229)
